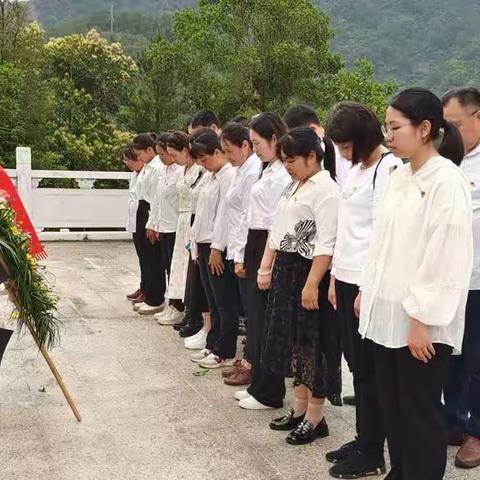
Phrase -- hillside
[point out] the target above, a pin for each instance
(434, 43)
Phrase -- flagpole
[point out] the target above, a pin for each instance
(12, 289)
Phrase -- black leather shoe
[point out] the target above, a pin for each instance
(287, 422)
(349, 400)
(182, 323)
(189, 329)
(344, 452)
(357, 466)
(306, 432)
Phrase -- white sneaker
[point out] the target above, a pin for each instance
(193, 337)
(197, 343)
(164, 314)
(251, 403)
(213, 361)
(241, 395)
(150, 309)
(136, 306)
(174, 317)
(199, 356)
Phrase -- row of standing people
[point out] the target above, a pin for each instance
(328, 242)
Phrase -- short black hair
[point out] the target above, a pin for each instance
(301, 116)
(162, 139)
(204, 118)
(466, 96)
(356, 123)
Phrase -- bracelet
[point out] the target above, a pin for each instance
(264, 274)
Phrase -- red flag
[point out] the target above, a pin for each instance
(23, 220)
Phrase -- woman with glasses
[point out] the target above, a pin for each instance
(296, 266)
(357, 133)
(416, 280)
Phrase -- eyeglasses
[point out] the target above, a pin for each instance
(389, 132)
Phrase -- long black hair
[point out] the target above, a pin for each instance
(236, 134)
(268, 125)
(302, 141)
(177, 140)
(144, 141)
(204, 142)
(420, 104)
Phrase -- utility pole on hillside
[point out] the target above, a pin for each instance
(112, 18)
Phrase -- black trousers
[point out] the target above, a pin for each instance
(141, 242)
(221, 292)
(462, 392)
(155, 283)
(410, 397)
(266, 387)
(359, 356)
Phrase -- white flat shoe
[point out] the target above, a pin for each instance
(251, 404)
(241, 395)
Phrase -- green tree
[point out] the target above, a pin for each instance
(242, 57)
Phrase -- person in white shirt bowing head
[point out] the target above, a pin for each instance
(134, 223)
(267, 389)
(217, 274)
(144, 145)
(358, 134)
(299, 317)
(461, 106)
(190, 176)
(238, 150)
(415, 283)
(163, 220)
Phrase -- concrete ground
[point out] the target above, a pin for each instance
(145, 415)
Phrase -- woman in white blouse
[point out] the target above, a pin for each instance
(189, 179)
(416, 281)
(217, 274)
(358, 135)
(238, 150)
(267, 390)
(134, 224)
(144, 145)
(296, 263)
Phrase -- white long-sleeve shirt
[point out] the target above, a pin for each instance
(305, 220)
(233, 213)
(420, 258)
(164, 208)
(359, 198)
(148, 179)
(471, 167)
(132, 203)
(207, 225)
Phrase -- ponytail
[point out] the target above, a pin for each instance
(451, 143)
(330, 158)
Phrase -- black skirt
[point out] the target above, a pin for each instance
(298, 339)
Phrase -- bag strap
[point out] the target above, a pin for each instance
(384, 154)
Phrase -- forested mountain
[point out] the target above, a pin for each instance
(435, 43)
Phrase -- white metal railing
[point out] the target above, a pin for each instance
(102, 211)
